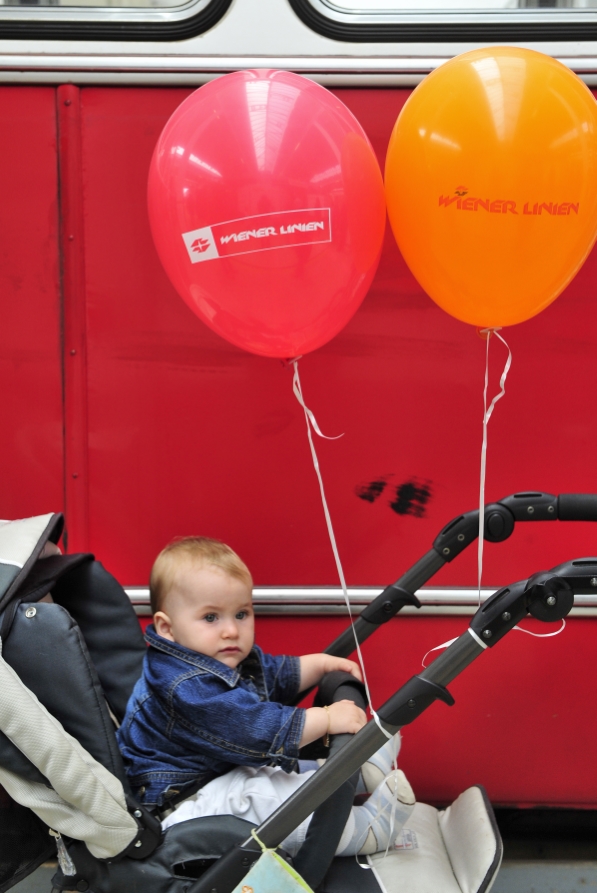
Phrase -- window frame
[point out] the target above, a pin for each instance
(98, 23)
(525, 25)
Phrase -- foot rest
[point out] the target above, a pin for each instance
(456, 850)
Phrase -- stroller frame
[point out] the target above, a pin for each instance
(547, 596)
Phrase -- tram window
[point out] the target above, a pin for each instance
(446, 21)
(118, 20)
(420, 6)
(147, 4)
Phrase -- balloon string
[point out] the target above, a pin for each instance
(487, 412)
(542, 635)
(437, 648)
(311, 423)
(484, 644)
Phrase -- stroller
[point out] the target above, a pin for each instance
(68, 666)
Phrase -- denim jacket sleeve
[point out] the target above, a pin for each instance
(234, 722)
(282, 675)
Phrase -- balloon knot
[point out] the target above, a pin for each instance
(486, 333)
(291, 361)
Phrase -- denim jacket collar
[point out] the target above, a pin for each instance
(209, 664)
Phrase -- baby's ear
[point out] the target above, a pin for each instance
(163, 625)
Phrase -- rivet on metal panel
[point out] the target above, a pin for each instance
(73, 352)
(67, 101)
(75, 474)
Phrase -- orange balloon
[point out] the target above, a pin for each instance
(491, 183)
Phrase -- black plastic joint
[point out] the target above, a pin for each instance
(550, 597)
(500, 613)
(463, 530)
(532, 506)
(388, 603)
(411, 700)
(457, 535)
(499, 523)
(148, 835)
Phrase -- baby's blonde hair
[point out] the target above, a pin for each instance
(200, 550)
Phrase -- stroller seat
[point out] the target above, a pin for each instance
(68, 668)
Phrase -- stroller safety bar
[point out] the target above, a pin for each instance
(548, 596)
(460, 532)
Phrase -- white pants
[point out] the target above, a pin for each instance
(254, 794)
(248, 793)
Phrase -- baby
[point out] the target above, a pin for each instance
(211, 707)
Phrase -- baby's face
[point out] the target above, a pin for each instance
(209, 611)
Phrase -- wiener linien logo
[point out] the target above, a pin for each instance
(462, 201)
(260, 232)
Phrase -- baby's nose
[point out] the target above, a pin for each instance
(231, 629)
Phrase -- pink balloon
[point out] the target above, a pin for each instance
(267, 208)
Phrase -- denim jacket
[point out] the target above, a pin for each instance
(191, 718)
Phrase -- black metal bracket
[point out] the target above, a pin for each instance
(532, 506)
(500, 613)
(547, 595)
(411, 700)
(388, 603)
(148, 836)
(463, 530)
(500, 518)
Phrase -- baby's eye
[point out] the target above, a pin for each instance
(241, 615)
(210, 618)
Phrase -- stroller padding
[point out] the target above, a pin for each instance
(63, 678)
(85, 800)
(183, 846)
(470, 818)
(455, 851)
(109, 626)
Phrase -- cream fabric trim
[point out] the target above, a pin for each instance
(19, 538)
(87, 802)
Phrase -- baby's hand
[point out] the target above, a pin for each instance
(345, 717)
(341, 663)
(315, 666)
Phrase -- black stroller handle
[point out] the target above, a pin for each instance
(460, 532)
(548, 595)
(577, 507)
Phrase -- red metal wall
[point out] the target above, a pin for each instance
(167, 430)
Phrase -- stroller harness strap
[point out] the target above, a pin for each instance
(86, 801)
